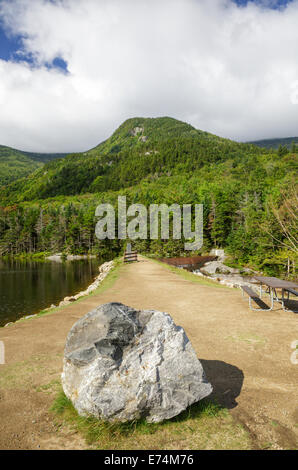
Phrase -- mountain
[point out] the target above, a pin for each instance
(16, 164)
(248, 195)
(276, 143)
(140, 148)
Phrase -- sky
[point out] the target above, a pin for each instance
(71, 71)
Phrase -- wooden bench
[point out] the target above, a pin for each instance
(130, 257)
(254, 296)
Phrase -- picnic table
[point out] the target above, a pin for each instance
(274, 283)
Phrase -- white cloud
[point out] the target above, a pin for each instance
(224, 69)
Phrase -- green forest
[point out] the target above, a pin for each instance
(15, 164)
(249, 195)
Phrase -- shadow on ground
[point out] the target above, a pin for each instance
(226, 381)
(291, 305)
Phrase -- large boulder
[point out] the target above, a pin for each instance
(122, 364)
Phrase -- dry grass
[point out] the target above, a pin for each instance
(22, 375)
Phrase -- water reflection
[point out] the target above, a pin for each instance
(27, 287)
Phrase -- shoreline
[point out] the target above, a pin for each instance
(46, 256)
(104, 270)
(59, 257)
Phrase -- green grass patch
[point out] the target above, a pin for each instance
(204, 425)
(48, 388)
(250, 338)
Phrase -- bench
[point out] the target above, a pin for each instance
(291, 291)
(254, 296)
(130, 257)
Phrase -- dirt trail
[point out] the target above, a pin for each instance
(245, 354)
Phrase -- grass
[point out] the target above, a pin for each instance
(49, 387)
(22, 375)
(204, 425)
(251, 338)
(110, 279)
(188, 276)
(40, 256)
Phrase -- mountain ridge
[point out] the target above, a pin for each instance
(134, 133)
(138, 148)
(274, 143)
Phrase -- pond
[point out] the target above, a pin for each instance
(26, 287)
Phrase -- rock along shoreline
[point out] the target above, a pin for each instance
(104, 269)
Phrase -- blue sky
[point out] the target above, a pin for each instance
(274, 4)
(71, 71)
(11, 49)
(8, 46)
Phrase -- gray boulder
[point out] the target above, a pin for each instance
(217, 267)
(122, 364)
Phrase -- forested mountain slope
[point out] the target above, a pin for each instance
(16, 164)
(140, 148)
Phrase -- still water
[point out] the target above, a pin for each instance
(26, 287)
